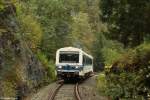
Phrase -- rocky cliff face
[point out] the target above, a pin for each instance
(20, 70)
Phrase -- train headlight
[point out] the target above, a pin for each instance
(59, 67)
(76, 67)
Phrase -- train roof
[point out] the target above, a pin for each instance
(74, 49)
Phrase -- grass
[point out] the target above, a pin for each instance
(101, 83)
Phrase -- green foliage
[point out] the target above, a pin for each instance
(46, 25)
(2, 6)
(98, 44)
(105, 51)
(127, 20)
(101, 83)
(112, 51)
(124, 24)
(129, 75)
(81, 31)
(54, 16)
(122, 85)
(30, 27)
(110, 55)
(32, 31)
(48, 65)
(19, 29)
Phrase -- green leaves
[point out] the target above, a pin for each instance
(131, 73)
(81, 31)
(54, 16)
(32, 31)
(2, 6)
(126, 20)
(48, 65)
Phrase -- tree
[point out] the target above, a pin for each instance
(54, 16)
(82, 32)
(29, 27)
(127, 20)
(98, 46)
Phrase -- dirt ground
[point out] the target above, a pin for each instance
(88, 90)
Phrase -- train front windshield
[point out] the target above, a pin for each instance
(69, 58)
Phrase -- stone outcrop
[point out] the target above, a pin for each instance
(20, 70)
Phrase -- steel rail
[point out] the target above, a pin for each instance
(76, 91)
(53, 94)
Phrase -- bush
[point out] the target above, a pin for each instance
(112, 51)
(101, 84)
(129, 76)
(30, 27)
(48, 65)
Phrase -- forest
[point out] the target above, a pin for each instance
(115, 32)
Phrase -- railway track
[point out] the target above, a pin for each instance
(65, 92)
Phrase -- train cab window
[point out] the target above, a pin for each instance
(69, 58)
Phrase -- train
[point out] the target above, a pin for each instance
(73, 62)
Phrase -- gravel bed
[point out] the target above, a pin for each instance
(88, 90)
(43, 93)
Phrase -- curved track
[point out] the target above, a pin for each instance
(77, 93)
(65, 92)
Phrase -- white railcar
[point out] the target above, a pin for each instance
(73, 62)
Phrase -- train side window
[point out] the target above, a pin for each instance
(90, 62)
(87, 60)
(84, 60)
